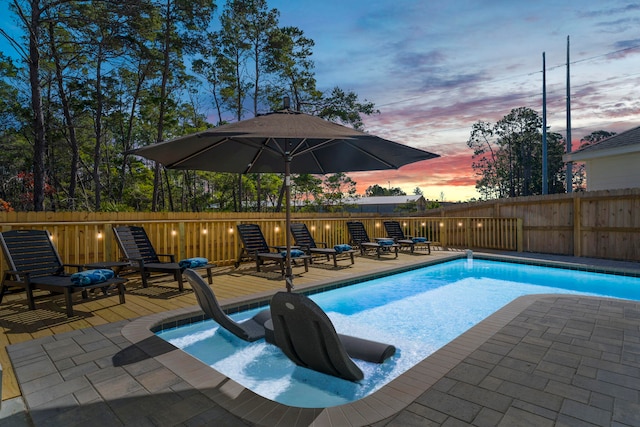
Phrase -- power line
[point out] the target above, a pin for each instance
(517, 76)
(527, 96)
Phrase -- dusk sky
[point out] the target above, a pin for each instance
(435, 67)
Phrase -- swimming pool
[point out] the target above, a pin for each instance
(417, 311)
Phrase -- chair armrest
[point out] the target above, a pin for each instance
(79, 267)
(171, 257)
(12, 276)
(138, 261)
(323, 244)
(16, 272)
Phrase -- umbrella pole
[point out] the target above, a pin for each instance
(287, 189)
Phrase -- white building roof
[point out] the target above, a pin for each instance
(385, 200)
(622, 143)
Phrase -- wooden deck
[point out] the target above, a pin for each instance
(18, 324)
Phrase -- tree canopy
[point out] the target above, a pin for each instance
(377, 190)
(87, 81)
(507, 156)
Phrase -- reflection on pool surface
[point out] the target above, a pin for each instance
(417, 311)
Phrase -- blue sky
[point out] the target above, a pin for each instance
(435, 67)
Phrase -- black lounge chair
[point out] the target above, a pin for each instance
(248, 330)
(305, 241)
(255, 247)
(306, 335)
(142, 257)
(360, 238)
(395, 232)
(34, 263)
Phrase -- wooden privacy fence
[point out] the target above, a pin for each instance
(84, 238)
(598, 224)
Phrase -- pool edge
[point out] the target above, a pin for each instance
(379, 406)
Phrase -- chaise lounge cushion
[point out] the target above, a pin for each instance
(342, 248)
(193, 262)
(91, 277)
(386, 242)
(295, 253)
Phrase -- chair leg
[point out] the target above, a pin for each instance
(352, 258)
(30, 303)
(335, 260)
(237, 263)
(144, 279)
(180, 281)
(210, 276)
(121, 292)
(69, 302)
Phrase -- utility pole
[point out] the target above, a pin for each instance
(545, 173)
(569, 164)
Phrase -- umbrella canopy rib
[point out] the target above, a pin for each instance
(255, 159)
(309, 149)
(178, 162)
(373, 156)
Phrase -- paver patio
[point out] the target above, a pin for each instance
(541, 360)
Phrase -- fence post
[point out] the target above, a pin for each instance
(442, 224)
(519, 235)
(577, 225)
(108, 243)
(182, 245)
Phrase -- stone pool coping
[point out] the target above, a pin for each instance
(540, 359)
(378, 406)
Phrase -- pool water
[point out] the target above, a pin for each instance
(418, 311)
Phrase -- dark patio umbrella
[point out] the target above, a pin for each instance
(283, 142)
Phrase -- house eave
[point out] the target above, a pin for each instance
(596, 154)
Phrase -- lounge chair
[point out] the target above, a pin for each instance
(360, 238)
(142, 257)
(255, 247)
(395, 232)
(34, 263)
(305, 241)
(248, 330)
(306, 335)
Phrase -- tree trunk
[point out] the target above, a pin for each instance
(71, 128)
(98, 132)
(40, 143)
(163, 102)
